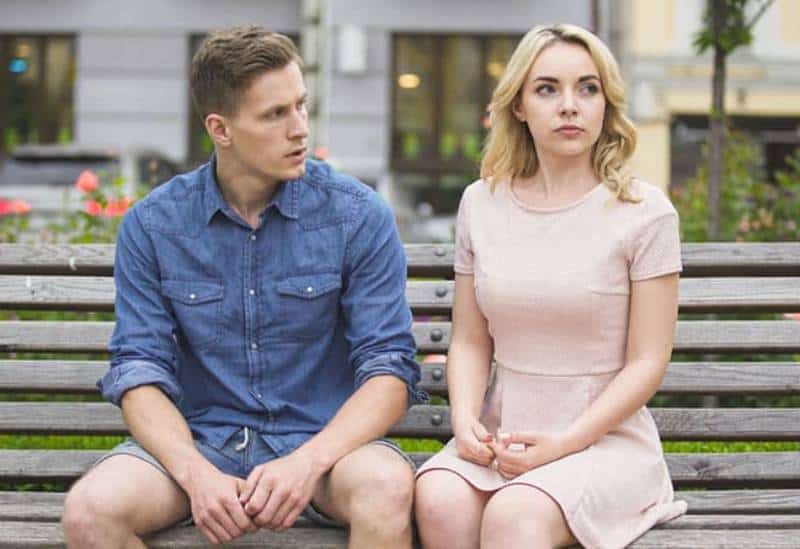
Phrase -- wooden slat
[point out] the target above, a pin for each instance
(50, 535)
(699, 259)
(741, 259)
(777, 336)
(719, 378)
(722, 378)
(752, 470)
(426, 421)
(717, 539)
(783, 505)
(70, 259)
(710, 295)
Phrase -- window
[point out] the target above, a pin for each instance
(442, 86)
(37, 80)
(778, 138)
(200, 144)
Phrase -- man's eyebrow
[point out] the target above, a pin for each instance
(279, 106)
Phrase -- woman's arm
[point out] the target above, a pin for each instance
(468, 364)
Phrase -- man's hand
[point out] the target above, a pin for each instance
(216, 509)
(531, 450)
(277, 492)
(473, 441)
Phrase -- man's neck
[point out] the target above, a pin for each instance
(246, 193)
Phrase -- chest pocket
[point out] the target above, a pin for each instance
(309, 305)
(198, 309)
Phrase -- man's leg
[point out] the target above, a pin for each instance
(371, 490)
(119, 500)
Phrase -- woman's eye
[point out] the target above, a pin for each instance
(545, 89)
(591, 89)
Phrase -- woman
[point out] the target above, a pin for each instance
(567, 275)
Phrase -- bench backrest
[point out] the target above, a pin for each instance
(729, 347)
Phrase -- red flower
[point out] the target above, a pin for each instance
(93, 208)
(321, 152)
(19, 207)
(87, 182)
(5, 206)
(118, 207)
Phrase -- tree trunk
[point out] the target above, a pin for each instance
(717, 122)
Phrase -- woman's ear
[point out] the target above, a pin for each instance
(516, 110)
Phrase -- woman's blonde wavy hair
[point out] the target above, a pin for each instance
(509, 150)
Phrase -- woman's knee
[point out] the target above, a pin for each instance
(522, 512)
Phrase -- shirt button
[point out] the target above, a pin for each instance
(309, 289)
(254, 346)
(252, 237)
(259, 395)
(192, 296)
(252, 292)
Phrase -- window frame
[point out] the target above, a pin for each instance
(41, 121)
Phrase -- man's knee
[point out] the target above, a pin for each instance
(385, 489)
(89, 518)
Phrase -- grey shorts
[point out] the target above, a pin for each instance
(237, 457)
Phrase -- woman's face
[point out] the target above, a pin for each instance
(562, 101)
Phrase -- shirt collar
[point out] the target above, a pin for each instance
(285, 200)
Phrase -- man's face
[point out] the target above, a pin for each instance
(268, 133)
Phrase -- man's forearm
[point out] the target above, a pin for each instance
(159, 427)
(377, 405)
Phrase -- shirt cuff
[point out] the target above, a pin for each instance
(394, 364)
(128, 375)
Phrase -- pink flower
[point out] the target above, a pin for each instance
(87, 182)
(93, 208)
(118, 207)
(5, 207)
(20, 207)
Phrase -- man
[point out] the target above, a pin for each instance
(263, 342)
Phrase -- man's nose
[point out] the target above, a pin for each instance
(299, 124)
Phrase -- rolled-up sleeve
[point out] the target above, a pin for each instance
(378, 319)
(142, 346)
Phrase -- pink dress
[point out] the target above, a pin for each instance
(554, 285)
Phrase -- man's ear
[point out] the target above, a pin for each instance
(217, 128)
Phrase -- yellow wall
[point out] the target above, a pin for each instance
(651, 26)
(757, 103)
(789, 17)
(651, 161)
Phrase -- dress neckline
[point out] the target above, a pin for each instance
(553, 209)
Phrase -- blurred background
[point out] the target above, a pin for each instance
(398, 90)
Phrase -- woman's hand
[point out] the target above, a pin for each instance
(534, 450)
(473, 441)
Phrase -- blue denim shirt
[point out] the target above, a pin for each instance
(273, 328)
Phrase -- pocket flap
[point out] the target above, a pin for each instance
(192, 293)
(309, 286)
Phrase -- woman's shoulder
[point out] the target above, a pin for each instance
(652, 200)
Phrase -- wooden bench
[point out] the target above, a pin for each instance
(735, 499)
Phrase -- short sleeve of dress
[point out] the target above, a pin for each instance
(656, 248)
(463, 256)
